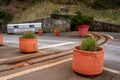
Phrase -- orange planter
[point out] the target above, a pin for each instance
(28, 45)
(1, 39)
(57, 33)
(88, 63)
(83, 29)
(40, 33)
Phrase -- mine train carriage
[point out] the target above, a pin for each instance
(20, 28)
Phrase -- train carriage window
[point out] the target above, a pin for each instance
(31, 26)
(15, 26)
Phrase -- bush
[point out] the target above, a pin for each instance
(28, 35)
(81, 19)
(54, 15)
(4, 2)
(58, 16)
(89, 44)
(104, 4)
(7, 17)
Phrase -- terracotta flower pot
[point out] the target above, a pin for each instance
(28, 45)
(1, 39)
(88, 63)
(57, 33)
(40, 33)
(83, 30)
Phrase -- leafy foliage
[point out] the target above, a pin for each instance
(58, 15)
(28, 35)
(81, 19)
(6, 16)
(4, 2)
(89, 44)
(105, 4)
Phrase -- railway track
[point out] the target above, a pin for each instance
(101, 38)
(16, 63)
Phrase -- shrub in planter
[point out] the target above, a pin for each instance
(40, 32)
(57, 31)
(82, 22)
(28, 42)
(89, 44)
(1, 39)
(88, 58)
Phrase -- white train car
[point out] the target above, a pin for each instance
(20, 28)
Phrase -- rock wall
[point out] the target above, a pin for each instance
(102, 26)
(49, 24)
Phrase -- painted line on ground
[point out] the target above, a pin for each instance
(12, 45)
(48, 66)
(33, 69)
(111, 70)
(9, 41)
(56, 45)
(44, 47)
(3, 59)
(17, 41)
(50, 40)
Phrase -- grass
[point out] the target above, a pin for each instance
(42, 10)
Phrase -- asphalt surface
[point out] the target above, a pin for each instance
(62, 71)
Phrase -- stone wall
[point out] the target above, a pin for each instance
(102, 26)
(49, 24)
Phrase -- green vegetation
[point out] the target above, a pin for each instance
(89, 44)
(28, 35)
(41, 10)
(27, 10)
(6, 16)
(104, 4)
(58, 15)
(79, 19)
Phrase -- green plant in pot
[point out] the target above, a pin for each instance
(28, 42)
(82, 22)
(89, 44)
(57, 30)
(40, 32)
(88, 58)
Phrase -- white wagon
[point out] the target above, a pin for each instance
(20, 28)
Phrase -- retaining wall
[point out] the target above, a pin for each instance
(102, 26)
(49, 25)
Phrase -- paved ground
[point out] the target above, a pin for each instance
(59, 69)
(114, 34)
